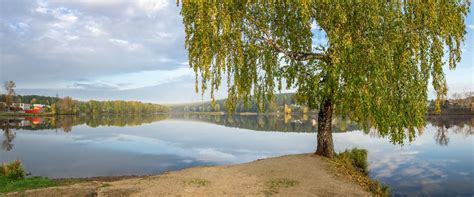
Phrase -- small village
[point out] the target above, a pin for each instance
(25, 108)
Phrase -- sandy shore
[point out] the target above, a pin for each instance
(292, 175)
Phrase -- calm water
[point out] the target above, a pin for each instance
(440, 161)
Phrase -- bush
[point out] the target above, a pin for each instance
(13, 170)
(357, 157)
(354, 165)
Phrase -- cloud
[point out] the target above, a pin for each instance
(470, 26)
(94, 86)
(126, 44)
(57, 44)
(152, 6)
(74, 43)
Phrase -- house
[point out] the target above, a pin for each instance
(13, 106)
(23, 106)
(37, 108)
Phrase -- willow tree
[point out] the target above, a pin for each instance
(374, 66)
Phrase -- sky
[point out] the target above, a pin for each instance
(119, 49)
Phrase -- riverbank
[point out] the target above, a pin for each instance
(292, 175)
(15, 114)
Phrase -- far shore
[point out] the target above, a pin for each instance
(312, 114)
(16, 114)
(291, 175)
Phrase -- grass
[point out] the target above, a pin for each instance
(274, 184)
(196, 182)
(356, 157)
(7, 185)
(13, 178)
(105, 185)
(353, 165)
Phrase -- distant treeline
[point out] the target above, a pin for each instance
(67, 105)
(277, 105)
(286, 103)
(457, 105)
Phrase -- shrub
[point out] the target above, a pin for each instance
(354, 165)
(13, 170)
(357, 157)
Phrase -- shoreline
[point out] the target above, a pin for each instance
(300, 174)
(48, 114)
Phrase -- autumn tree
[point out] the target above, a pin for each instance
(373, 67)
(67, 106)
(33, 101)
(9, 98)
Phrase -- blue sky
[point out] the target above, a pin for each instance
(118, 49)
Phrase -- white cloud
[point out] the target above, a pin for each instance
(152, 6)
(470, 27)
(118, 42)
(95, 30)
(125, 44)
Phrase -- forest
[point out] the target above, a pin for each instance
(68, 105)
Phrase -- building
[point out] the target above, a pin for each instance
(37, 108)
(23, 106)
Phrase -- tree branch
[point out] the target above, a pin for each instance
(297, 56)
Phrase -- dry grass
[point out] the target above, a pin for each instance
(273, 185)
(352, 164)
(196, 182)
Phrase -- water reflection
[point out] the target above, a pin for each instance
(438, 162)
(8, 136)
(458, 125)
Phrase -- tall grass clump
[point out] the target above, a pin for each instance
(357, 157)
(354, 165)
(13, 170)
(13, 177)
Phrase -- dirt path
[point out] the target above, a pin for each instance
(293, 175)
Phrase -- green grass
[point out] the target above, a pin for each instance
(8, 185)
(13, 178)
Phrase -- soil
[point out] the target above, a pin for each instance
(292, 175)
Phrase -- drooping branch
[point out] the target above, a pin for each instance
(293, 55)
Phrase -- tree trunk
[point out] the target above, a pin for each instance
(325, 145)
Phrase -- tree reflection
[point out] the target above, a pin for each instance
(8, 134)
(459, 125)
(445, 125)
(283, 123)
(441, 136)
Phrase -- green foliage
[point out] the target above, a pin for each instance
(357, 158)
(13, 170)
(375, 66)
(7, 185)
(13, 178)
(67, 105)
